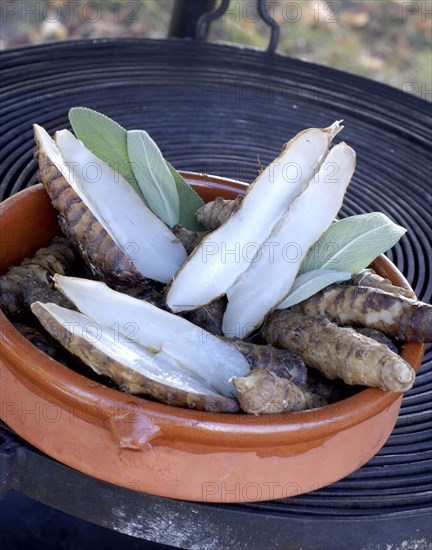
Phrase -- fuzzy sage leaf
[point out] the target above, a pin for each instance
(353, 243)
(308, 284)
(190, 202)
(153, 176)
(108, 141)
(105, 138)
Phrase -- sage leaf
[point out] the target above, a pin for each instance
(353, 243)
(308, 284)
(108, 140)
(153, 176)
(190, 201)
(105, 138)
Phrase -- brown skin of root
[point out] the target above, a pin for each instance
(378, 337)
(263, 392)
(338, 352)
(43, 342)
(213, 214)
(58, 257)
(282, 363)
(34, 291)
(368, 277)
(150, 291)
(329, 390)
(189, 239)
(396, 316)
(208, 317)
(125, 378)
(106, 260)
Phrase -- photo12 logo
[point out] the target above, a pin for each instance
(70, 12)
(284, 11)
(252, 491)
(411, 9)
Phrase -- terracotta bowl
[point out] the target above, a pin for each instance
(168, 451)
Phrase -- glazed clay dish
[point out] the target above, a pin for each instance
(168, 451)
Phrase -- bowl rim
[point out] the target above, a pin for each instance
(98, 404)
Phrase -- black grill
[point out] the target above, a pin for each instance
(216, 109)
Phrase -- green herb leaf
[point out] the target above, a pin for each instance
(105, 138)
(153, 176)
(108, 141)
(308, 284)
(353, 243)
(190, 201)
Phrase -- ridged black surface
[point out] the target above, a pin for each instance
(215, 109)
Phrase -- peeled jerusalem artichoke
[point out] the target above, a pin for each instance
(125, 248)
(132, 367)
(211, 270)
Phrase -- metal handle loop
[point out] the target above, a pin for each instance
(274, 27)
(207, 18)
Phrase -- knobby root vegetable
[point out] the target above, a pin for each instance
(35, 291)
(134, 369)
(43, 342)
(368, 277)
(196, 351)
(208, 317)
(189, 239)
(338, 352)
(116, 234)
(281, 362)
(263, 392)
(378, 336)
(57, 257)
(224, 255)
(330, 390)
(396, 316)
(213, 214)
(270, 276)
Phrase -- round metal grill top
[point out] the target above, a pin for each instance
(218, 109)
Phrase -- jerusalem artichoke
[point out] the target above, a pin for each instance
(213, 214)
(396, 316)
(263, 392)
(58, 257)
(368, 277)
(338, 352)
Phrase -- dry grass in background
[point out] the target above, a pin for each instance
(386, 40)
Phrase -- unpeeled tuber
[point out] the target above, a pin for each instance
(213, 214)
(396, 316)
(34, 275)
(263, 392)
(281, 362)
(338, 352)
(368, 277)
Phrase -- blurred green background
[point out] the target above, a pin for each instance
(389, 41)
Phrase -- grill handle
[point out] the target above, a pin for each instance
(193, 19)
